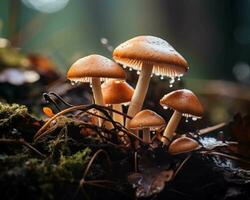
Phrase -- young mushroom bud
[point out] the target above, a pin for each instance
(117, 93)
(148, 55)
(184, 103)
(146, 120)
(183, 145)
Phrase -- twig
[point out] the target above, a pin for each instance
(95, 182)
(41, 132)
(22, 142)
(93, 159)
(224, 155)
(211, 128)
(181, 165)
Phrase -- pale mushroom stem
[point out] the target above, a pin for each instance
(117, 117)
(97, 92)
(146, 135)
(140, 91)
(171, 127)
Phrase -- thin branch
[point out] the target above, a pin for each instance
(224, 155)
(211, 128)
(21, 142)
(181, 165)
(100, 151)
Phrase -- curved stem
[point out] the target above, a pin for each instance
(171, 127)
(140, 91)
(117, 117)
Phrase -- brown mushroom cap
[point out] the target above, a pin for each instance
(94, 66)
(184, 101)
(151, 50)
(183, 145)
(146, 119)
(116, 92)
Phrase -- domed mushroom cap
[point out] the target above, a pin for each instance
(146, 119)
(94, 66)
(154, 51)
(183, 145)
(184, 101)
(116, 92)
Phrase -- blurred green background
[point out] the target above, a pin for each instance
(214, 36)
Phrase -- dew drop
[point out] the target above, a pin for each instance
(170, 85)
(165, 107)
(194, 118)
(186, 120)
(151, 75)
(179, 78)
(124, 66)
(172, 80)
(72, 83)
(162, 77)
(130, 69)
(90, 85)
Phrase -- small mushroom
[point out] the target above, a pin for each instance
(183, 145)
(117, 93)
(184, 103)
(149, 55)
(94, 69)
(146, 120)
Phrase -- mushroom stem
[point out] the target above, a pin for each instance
(140, 91)
(146, 135)
(171, 127)
(97, 92)
(117, 117)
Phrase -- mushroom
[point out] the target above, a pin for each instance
(148, 54)
(146, 120)
(183, 145)
(94, 69)
(185, 103)
(117, 92)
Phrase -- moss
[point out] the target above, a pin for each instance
(41, 179)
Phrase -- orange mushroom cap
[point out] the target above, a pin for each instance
(183, 145)
(94, 66)
(151, 50)
(184, 101)
(146, 119)
(116, 92)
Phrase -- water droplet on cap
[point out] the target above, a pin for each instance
(194, 118)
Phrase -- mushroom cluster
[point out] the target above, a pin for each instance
(149, 56)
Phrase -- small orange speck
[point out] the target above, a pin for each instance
(47, 111)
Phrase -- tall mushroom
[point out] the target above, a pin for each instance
(184, 103)
(148, 54)
(94, 69)
(116, 93)
(146, 120)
